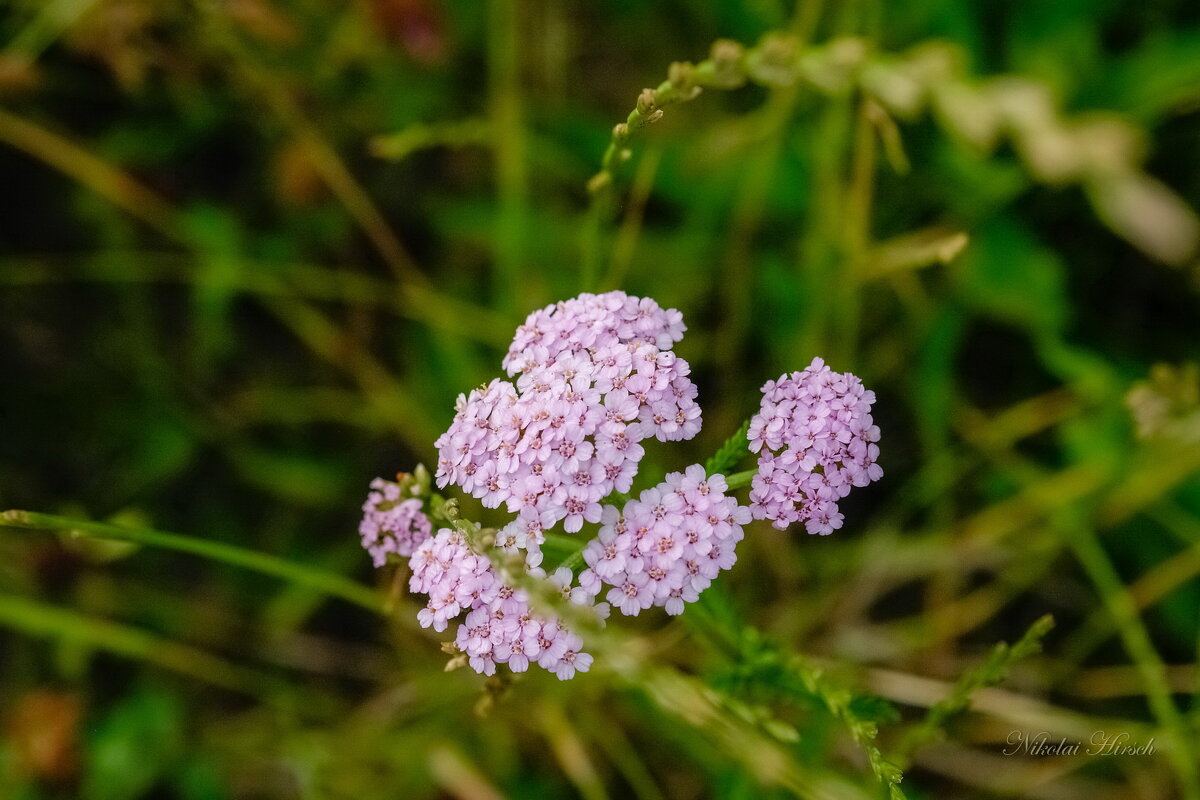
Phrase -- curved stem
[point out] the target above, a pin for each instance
(1136, 639)
(574, 561)
(324, 582)
(38, 619)
(739, 479)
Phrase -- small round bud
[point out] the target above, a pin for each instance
(620, 130)
(726, 53)
(647, 102)
(682, 75)
(726, 60)
(776, 61)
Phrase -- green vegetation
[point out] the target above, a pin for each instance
(253, 250)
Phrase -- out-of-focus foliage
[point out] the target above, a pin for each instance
(251, 251)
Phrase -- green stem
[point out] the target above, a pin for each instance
(512, 180)
(592, 243)
(39, 619)
(574, 561)
(1136, 639)
(571, 548)
(324, 582)
(739, 479)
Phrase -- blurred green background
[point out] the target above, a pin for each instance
(252, 250)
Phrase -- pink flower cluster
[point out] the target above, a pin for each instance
(595, 376)
(390, 523)
(500, 627)
(816, 440)
(667, 546)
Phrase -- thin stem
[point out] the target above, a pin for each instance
(304, 280)
(737, 279)
(96, 174)
(410, 419)
(631, 227)
(39, 619)
(1137, 643)
(324, 582)
(325, 159)
(740, 479)
(53, 20)
(593, 241)
(470, 132)
(574, 561)
(859, 196)
(127, 193)
(512, 179)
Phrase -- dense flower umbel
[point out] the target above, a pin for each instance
(595, 376)
(390, 523)
(590, 379)
(815, 439)
(665, 547)
(500, 627)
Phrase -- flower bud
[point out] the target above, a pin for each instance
(726, 53)
(726, 60)
(682, 75)
(776, 63)
(647, 102)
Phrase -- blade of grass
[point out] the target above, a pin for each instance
(571, 751)
(39, 619)
(311, 281)
(1134, 636)
(458, 777)
(265, 563)
(1151, 587)
(511, 172)
(628, 761)
(325, 158)
(631, 225)
(991, 672)
(54, 18)
(91, 171)
(410, 420)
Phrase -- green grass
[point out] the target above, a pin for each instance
(251, 255)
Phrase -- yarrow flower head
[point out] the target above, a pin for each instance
(816, 440)
(595, 376)
(500, 627)
(589, 380)
(392, 523)
(668, 545)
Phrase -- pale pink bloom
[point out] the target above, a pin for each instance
(816, 440)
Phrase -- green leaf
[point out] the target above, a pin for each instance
(730, 453)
